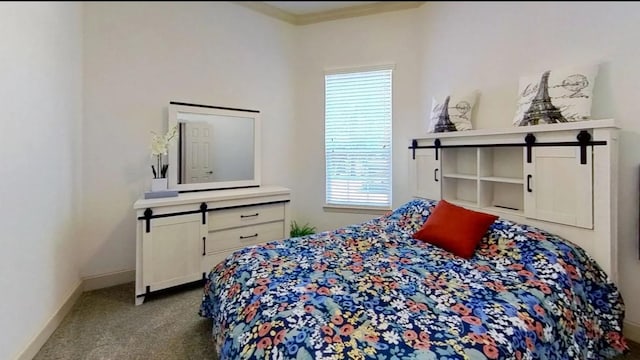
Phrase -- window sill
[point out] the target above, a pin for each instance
(356, 209)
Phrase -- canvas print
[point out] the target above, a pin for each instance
(556, 97)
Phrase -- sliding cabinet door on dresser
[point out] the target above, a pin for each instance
(171, 251)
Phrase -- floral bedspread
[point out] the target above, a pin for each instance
(370, 291)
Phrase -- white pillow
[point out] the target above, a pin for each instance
(459, 110)
(569, 90)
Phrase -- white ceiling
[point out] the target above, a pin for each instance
(309, 7)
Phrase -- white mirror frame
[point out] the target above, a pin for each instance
(174, 109)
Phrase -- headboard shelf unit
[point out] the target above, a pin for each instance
(558, 177)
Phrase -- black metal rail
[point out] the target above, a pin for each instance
(583, 140)
(148, 213)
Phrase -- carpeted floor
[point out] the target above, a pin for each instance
(105, 324)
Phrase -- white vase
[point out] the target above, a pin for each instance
(159, 184)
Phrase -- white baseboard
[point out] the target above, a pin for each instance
(631, 331)
(108, 280)
(51, 325)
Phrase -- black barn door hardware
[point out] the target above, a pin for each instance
(583, 138)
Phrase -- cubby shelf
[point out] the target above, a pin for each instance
(502, 179)
(505, 210)
(463, 203)
(460, 176)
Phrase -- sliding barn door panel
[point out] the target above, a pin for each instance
(172, 251)
(426, 174)
(558, 188)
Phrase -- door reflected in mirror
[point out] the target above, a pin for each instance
(216, 148)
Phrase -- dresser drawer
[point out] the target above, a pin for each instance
(236, 238)
(247, 215)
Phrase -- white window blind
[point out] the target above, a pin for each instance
(358, 138)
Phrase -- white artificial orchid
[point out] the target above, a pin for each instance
(160, 144)
(159, 148)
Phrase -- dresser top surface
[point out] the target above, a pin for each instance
(213, 195)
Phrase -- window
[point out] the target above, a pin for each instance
(358, 138)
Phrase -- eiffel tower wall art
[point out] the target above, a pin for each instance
(556, 96)
(453, 113)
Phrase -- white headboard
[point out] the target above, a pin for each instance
(558, 177)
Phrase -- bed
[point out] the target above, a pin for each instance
(371, 291)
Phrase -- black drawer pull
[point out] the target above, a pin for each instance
(435, 175)
(246, 216)
(529, 183)
(204, 246)
(250, 236)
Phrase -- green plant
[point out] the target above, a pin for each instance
(301, 230)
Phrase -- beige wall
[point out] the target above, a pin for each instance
(388, 38)
(41, 92)
(140, 56)
(487, 46)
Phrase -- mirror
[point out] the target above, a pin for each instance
(216, 147)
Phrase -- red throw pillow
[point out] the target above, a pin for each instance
(455, 229)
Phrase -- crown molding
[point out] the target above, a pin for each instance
(268, 10)
(312, 18)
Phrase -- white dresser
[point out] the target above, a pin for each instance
(180, 239)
